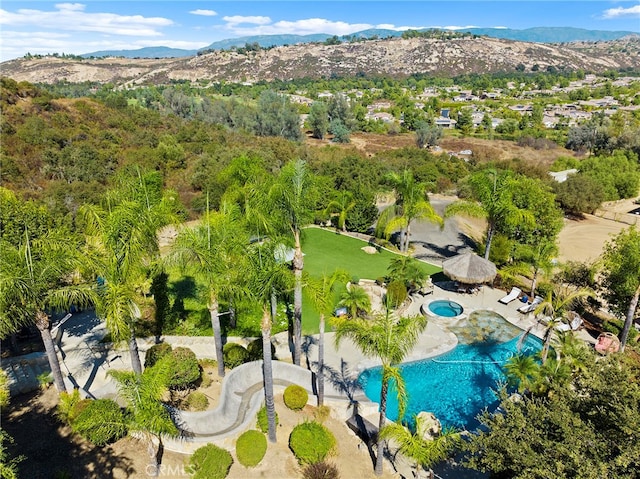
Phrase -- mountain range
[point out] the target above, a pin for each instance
(538, 35)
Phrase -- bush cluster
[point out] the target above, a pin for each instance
(255, 350)
(295, 397)
(101, 422)
(320, 470)
(311, 442)
(251, 447)
(234, 355)
(210, 462)
(263, 420)
(197, 401)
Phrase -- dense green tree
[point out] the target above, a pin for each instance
(621, 277)
(388, 339)
(465, 121)
(588, 430)
(427, 134)
(579, 194)
(318, 120)
(618, 174)
(277, 116)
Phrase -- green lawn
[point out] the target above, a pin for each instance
(325, 251)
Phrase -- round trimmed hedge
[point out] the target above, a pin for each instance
(311, 442)
(255, 350)
(101, 422)
(155, 353)
(234, 355)
(210, 462)
(251, 447)
(185, 369)
(263, 420)
(295, 397)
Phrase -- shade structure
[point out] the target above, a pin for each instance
(469, 268)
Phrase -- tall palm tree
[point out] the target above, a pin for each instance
(268, 277)
(493, 192)
(214, 251)
(555, 307)
(532, 262)
(389, 340)
(292, 203)
(122, 246)
(412, 203)
(147, 417)
(38, 277)
(356, 300)
(320, 291)
(418, 446)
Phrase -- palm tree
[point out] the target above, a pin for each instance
(269, 276)
(555, 307)
(292, 204)
(356, 300)
(147, 417)
(424, 450)
(522, 372)
(214, 251)
(35, 278)
(493, 191)
(341, 206)
(389, 340)
(411, 203)
(320, 291)
(408, 270)
(122, 248)
(532, 261)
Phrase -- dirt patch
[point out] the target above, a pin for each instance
(52, 450)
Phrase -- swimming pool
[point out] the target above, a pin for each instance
(457, 385)
(445, 308)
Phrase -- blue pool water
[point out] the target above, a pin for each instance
(458, 385)
(448, 309)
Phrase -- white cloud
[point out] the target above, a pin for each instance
(204, 13)
(238, 19)
(299, 27)
(389, 26)
(619, 12)
(72, 17)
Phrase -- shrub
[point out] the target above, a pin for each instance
(4, 389)
(263, 421)
(396, 293)
(322, 413)
(255, 349)
(197, 401)
(185, 369)
(70, 405)
(251, 447)
(320, 470)
(295, 397)
(311, 442)
(101, 422)
(210, 462)
(155, 353)
(234, 355)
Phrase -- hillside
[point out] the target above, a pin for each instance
(394, 57)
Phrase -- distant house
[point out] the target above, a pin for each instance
(445, 122)
(561, 176)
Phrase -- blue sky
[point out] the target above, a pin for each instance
(86, 26)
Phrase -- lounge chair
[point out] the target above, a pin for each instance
(573, 325)
(528, 308)
(515, 292)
